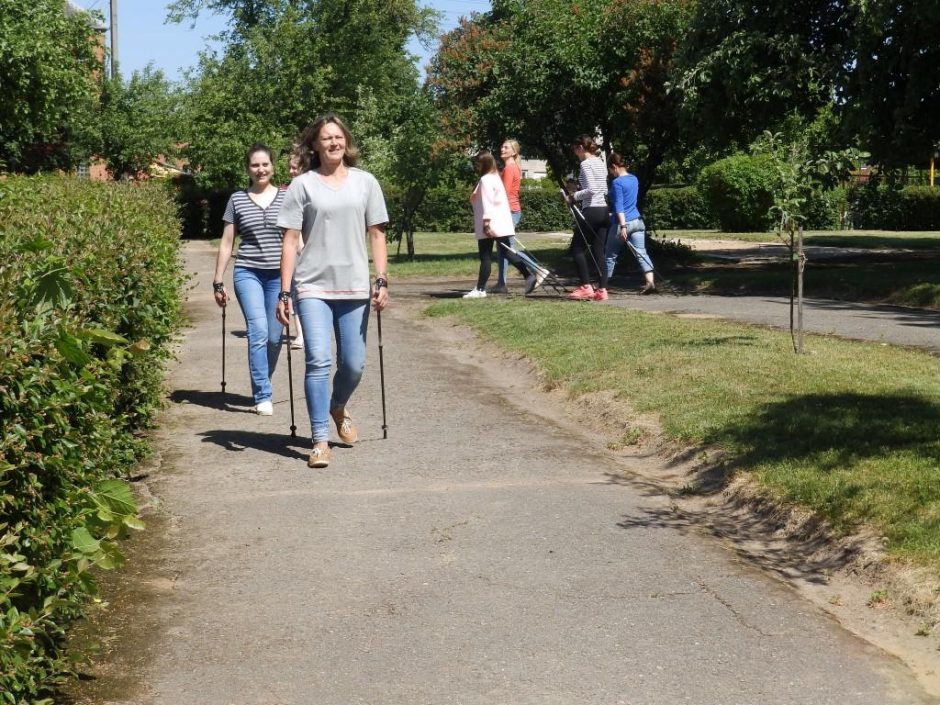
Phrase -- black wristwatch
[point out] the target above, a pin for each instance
(284, 296)
(218, 287)
(380, 282)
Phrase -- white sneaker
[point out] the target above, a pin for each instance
(265, 408)
(475, 294)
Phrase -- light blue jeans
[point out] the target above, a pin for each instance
(320, 320)
(256, 291)
(502, 264)
(636, 234)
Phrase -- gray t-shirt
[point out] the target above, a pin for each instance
(334, 263)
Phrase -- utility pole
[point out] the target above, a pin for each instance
(114, 39)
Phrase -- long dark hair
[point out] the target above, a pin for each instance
(309, 159)
(258, 147)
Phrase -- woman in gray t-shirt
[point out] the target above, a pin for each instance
(333, 206)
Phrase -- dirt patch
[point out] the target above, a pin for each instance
(893, 606)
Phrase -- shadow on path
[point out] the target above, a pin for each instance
(238, 403)
(824, 443)
(274, 443)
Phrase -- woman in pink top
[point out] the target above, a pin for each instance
(492, 221)
(512, 177)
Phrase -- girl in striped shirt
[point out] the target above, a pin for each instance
(252, 215)
(589, 240)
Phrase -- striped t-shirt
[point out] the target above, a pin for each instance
(593, 183)
(260, 245)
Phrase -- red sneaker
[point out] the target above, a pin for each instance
(600, 294)
(582, 293)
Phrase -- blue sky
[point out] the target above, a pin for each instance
(144, 37)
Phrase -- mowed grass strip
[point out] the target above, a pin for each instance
(850, 430)
(454, 255)
(862, 239)
(912, 283)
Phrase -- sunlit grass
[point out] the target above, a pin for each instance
(864, 239)
(851, 430)
(455, 255)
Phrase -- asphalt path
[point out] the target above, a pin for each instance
(482, 554)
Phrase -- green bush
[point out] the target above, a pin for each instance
(890, 207)
(737, 189)
(676, 207)
(826, 210)
(90, 298)
(544, 210)
(200, 209)
(446, 209)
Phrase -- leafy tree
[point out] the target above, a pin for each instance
(413, 157)
(545, 72)
(284, 62)
(893, 94)
(48, 75)
(797, 169)
(138, 122)
(641, 44)
(746, 66)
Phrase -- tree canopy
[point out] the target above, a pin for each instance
(48, 83)
(285, 61)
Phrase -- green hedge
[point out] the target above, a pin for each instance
(737, 189)
(891, 207)
(90, 298)
(675, 208)
(827, 210)
(447, 209)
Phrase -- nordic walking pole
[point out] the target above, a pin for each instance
(290, 383)
(378, 317)
(578, 219)
(224, 305)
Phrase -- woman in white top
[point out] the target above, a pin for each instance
(590, 238)
(335, 208)
(492, 223)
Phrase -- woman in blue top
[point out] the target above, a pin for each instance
(252, 215)
(626, 223)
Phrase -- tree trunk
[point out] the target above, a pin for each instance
(801, 266)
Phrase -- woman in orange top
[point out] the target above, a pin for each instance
(511, 177)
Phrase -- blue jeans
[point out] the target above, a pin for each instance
(502, 264)
(320, 319)
(636, 234)
(256, 291)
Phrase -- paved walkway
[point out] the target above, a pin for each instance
(481, 555)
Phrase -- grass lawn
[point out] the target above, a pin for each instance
(909, 283)
(863, 239)
(914, 282)
(455, 255)
(851, 430)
